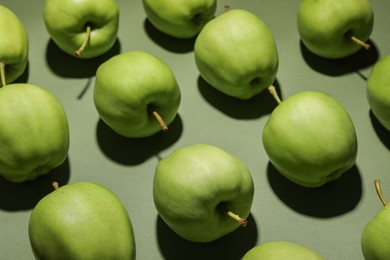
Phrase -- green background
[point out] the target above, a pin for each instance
(328, 219)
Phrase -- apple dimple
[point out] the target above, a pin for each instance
(197, 18)
(255, 82)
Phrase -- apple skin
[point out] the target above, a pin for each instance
(310, 139)
(195, 185)
(180, 18)
(378, 91)
(81, 221)
(131, 84)
(13, 45)
(375, 238)
(34, 132)
(326, 26)
(277, 250)
(66, 22)
(236, 54)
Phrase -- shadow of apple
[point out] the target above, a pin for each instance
(330, 200)
(68, 66)
(382, 133)
(337, 67)
(233, 246)
(134, 151)
(25, 195)
(168, 42)
(256, 107)
(23, 78)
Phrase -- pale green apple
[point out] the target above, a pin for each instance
(136, 94)
(281, 250)
(236, 54)
(310, 138)
(71, 23)
(375, 238)
(180, 18)
(333, 28)
(34, 132)
(202, 192)
(13, 46)
(82, 220)
(378, 91)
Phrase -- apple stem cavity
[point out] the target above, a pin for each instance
(360, 43)
(243, 222)
(161, 121)
(2, 73)
(85, 42)
(274, 93)
(378, 189)
(55, 185)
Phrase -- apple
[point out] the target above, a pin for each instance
(378, 91)
(310, 139)
(202, 192)
(82, 220)
(335, 29)
(136, 94)
(281, 250)
(84, 28)
(236, 54)
(34, 132)
(179, 18)
(375, 237)
(13, 46)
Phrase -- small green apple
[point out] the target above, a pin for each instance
(333, 28)
(34, 132)
(310, 139)
(180, 18)
(81, 221)
(280, 250)
(236, 54)
(378, 91)
(85, 28)
(136, 94)
(375, 238)
(202, 192)
(13, 46)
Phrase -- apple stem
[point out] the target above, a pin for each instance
(82, 47)
(226, 8)
(274, 93)
(161, 121)
(378, 189)
(55, 185)
(243, 222)
(2, 74)
(360, 42)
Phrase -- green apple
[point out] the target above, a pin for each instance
(278, 250)
(34, 132)
(375, 237)
(85, 28)
(310, 139)
(202, 192)
(136, 94)
(82, 220)
(335, 29)
(179, 18)
(236, 54)
(378, 91)
(13, 46)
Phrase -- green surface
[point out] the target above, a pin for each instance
(328, 220)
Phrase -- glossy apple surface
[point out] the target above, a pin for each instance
(310, 139)
(34, 132)
(196, 187)
(81, 221)
(236, 54)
